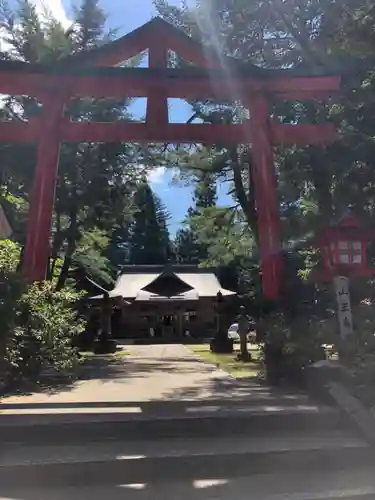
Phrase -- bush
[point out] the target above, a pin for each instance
(358, 352)
(37, 323)
(290, 346)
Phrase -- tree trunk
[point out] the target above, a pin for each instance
(320, 175)
(322, 181)
(65, 270)
(243, 346)
(56, 247)
(71, 246)
(243, 330)
(246, 201)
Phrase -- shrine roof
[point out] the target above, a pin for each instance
(135, 283)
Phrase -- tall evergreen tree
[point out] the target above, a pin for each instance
(95, 181)
(188, 248)
(205, 192)
(118, 250)
(163, 217)
(149, 237)
(315, 183)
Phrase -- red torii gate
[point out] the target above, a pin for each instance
(91, 74)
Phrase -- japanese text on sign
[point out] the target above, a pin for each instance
(344, 310)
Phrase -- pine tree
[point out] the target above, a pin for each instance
(149, 237)
(118, 251)
(188, 248)
(90, 17)
(163, 217)
(95, 181)
(205, 191)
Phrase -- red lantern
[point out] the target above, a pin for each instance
(343, 247)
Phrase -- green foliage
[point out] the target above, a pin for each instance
(89, 255)
(104, 216)
(118, 249)
(149, 237)
(95, 181)
(91, 19)
(204, 194)
(37, 323)
(163, 217)
(11, 288)
(300, 338)
(9, 256)
(189, 248)
(358, 353)
(45, 326)
(315, 184)
(224, 234)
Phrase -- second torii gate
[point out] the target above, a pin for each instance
(92, 74)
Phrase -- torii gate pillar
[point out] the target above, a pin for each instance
(266, 202)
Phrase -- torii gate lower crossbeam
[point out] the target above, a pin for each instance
(262, 132)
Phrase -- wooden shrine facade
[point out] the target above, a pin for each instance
(168, 302)
(93, 75)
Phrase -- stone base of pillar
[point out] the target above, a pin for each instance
(104, 346)
(221, 345)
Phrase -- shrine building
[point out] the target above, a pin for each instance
(167, 302)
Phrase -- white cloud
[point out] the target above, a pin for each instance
(156, 176)
(4, 46)
(56, 8)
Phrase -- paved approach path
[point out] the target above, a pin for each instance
(150, 382)
(149, 373)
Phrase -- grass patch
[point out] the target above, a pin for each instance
(228, 362)
(87, 355)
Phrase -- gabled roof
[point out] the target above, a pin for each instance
(169, 284)
(206, 284)
(201, 285)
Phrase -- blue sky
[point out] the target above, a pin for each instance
(125, 16)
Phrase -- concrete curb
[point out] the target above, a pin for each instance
(329, 380)
(353, 407)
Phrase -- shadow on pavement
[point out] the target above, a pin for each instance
(122, 371)
(198, 489)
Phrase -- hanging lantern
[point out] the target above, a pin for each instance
(343, 247)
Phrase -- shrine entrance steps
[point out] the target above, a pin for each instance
(230, 440)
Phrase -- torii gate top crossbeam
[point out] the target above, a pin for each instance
(212, 75)
(140, 82)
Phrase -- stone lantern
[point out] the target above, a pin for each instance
(220, 343)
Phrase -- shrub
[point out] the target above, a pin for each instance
(37, 323)
(358, 352)
(290, 346)
(11, 289)
(45, 325)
